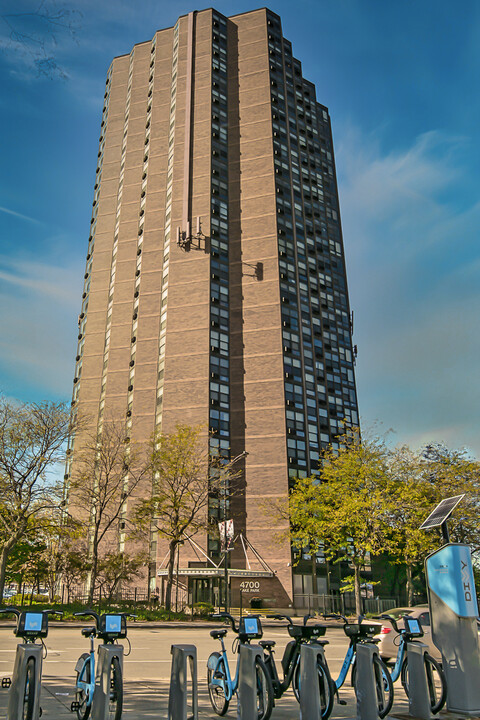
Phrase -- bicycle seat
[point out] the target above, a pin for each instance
(267, 644)
(218, 633)
(89, 631)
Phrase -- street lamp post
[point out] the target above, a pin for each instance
(232, 462)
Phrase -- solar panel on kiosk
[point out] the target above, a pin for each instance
(441, 512)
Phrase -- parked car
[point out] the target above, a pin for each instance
(388, 644)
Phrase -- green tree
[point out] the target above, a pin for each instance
(117, 567)
(185, 477)
(32, 443)
(346, 510)
(446, 473)
(108, 470)
(412, 501)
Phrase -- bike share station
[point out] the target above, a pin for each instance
(453, 613)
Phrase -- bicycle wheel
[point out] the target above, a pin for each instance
(383, 686)
(436, 682)
(29, 691)
(216, 693)
(325, 685)
(115, 705)
(264, 691)
(83, 710)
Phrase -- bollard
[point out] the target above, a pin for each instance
(16, 695)
(365, 686)
(247, 682)
(101, 696)
(418, 696)
(182, 657)
(310, 701)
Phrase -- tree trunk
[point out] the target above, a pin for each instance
(170, 568)
(393, 585)
(94, 568)
(3, 569)
(314, 574)
(409, 585)
(4, 554)
(358, 596)
(93, 576)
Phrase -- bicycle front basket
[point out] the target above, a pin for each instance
(365, 629)
(112, 627)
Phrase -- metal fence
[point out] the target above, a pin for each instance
(344, 603)
(124, 596)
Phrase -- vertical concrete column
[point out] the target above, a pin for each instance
(247, 682)
(365, 687)
(418, 696)
(16, 695)
(310, 701)
(184, 658)
(101, 697)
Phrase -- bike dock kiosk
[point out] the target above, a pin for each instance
(184, 666)
(453, 612)
(365, 686)
(16, 695)
(310, 704)
(101, 697)
(247, 682)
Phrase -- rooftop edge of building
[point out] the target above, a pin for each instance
(229, 17)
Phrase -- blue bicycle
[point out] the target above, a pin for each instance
(436, 682)
(221, 685)
(363, 632)
(108, 628)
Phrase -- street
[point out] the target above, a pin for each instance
(147, 669)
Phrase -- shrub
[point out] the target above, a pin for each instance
(203, 609)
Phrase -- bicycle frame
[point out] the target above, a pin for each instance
(231, 685)
(82, 683)
(281, 686)
(347, 663)
(397, 668)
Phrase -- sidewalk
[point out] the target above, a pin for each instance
(146, 699)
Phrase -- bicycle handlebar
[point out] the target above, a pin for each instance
(92, 613)
(335, 616)
(225, 616)
(392, 621)
(11, 611)
(17, 612)
(89, 613)
(281, 617)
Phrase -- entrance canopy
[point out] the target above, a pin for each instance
(217, 572)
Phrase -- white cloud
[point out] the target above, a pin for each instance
(42, 280)
(412, 257)
(20, 215)
(37, 325)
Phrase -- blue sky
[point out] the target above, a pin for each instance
(400, 79)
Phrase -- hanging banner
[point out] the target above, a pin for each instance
(226, 531)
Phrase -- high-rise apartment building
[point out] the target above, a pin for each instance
(215, 286)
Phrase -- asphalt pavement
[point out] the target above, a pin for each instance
(147, 670)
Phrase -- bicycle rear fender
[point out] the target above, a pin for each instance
(212, 662)
(287, 654)
(81, 662)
